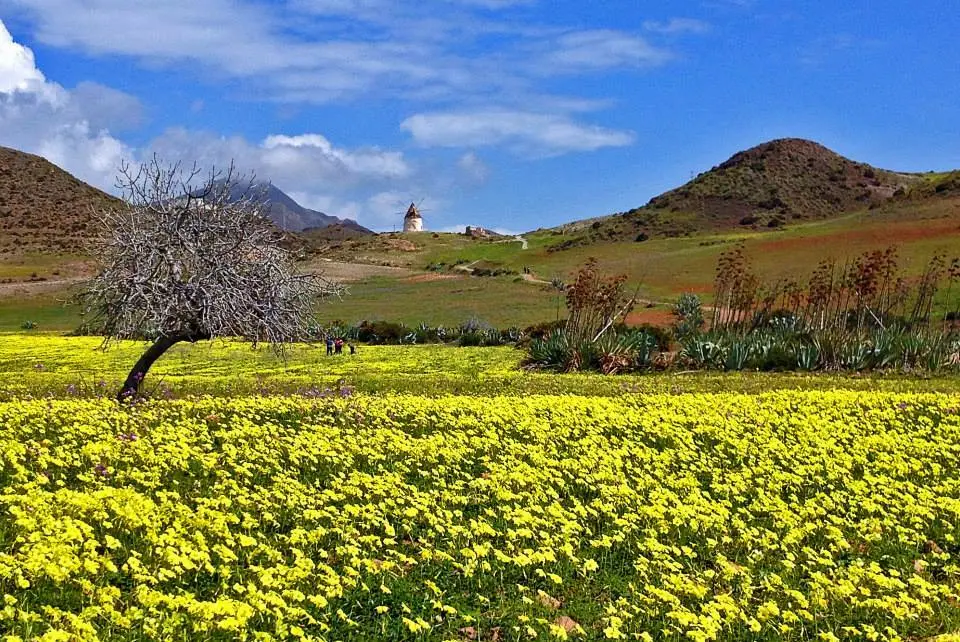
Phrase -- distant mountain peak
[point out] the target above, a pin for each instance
(289, 215)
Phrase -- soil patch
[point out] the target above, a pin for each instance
(429, 278)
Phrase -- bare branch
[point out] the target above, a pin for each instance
(187, 262)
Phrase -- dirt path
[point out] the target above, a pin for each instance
(20, 288)
(531, 278)
(467, 267)
(347, 272)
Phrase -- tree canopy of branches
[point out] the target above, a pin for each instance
(187, 260)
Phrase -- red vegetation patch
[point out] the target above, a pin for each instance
(654, 316)
(873, 236)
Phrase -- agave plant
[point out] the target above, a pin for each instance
(701, 352)
(886, 349)
(737, 354)
(622, 352)
(688, 312)
(553, 352)
(937, 354)
(808, 355)
(855, 355)
(912, 349)
(644, 347)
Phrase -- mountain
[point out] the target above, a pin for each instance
(769, 185)
(289, 215)
(42, 207)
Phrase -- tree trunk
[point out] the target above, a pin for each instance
(131, 387)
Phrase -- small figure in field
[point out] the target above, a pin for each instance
(353, 348)
(338, 346)
(329, 345)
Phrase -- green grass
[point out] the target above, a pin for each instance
(500, 301)
(662, 268)
(21, 267)
(48, 310)
(667, 267)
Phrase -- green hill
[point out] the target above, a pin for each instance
(773, 184)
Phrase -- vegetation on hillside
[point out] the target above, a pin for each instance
(43, 208)
(933, 185)
(862, 315)
(767, 186)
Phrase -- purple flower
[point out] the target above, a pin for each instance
(101, 470)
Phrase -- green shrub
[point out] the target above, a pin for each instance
(688, 314)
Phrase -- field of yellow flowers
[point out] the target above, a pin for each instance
(348, 515)
(47, 365)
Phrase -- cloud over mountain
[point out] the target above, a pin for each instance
(523, 131)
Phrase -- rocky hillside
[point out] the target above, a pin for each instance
(43, 208)
(766, 186)
(289, 215)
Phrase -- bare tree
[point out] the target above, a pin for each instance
(193, 258)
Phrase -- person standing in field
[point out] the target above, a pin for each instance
(353, 348)
(329, 345)
(338, 346)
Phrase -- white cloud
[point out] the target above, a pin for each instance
(107, 108)
(298, 57)
(319, 51)
(676, 26)
(346, 182)
(328, 204)
(372, 162)
(385, 209)
(69, 128)
(307, 160)
(18, 71)
(600, 49)
(524, 132)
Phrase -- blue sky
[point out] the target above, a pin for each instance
(511, 114)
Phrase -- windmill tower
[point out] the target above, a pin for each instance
(412, 221)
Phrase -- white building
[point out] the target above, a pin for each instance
(413, 222)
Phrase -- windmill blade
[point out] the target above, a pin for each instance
(418, 203)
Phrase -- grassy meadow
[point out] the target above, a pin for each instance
(440, 493)
(662, 269)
